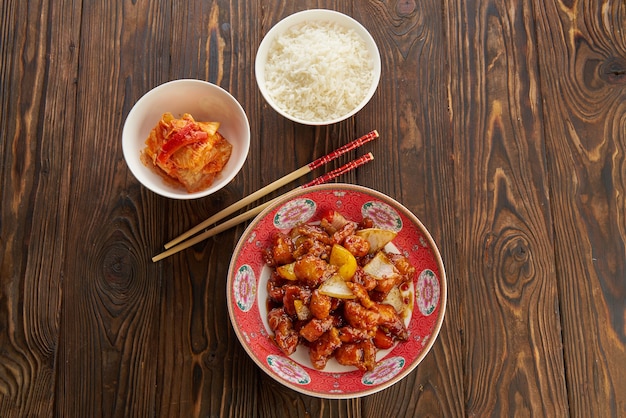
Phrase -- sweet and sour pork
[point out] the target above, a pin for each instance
(328, 291)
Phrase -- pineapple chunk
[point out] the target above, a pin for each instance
(302, 311)
(286, 271)
(342, 258)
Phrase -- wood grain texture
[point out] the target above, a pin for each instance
(502, 127)
(582, 60)
(36, 161)
(511, 331)
(110, 310)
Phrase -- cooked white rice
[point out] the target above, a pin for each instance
(318, 71)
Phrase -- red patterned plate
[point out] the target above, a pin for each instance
(247, 293)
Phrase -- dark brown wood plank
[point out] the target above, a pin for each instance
(112, 292)
(582, 60)
(511, 332)
(39, 67)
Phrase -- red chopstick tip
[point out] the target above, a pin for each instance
(342, 150)
(341, 170)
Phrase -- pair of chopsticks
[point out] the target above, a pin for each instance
(177, 243)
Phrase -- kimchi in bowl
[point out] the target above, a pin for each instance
(205, 102)
(261, 317)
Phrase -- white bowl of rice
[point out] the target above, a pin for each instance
(317, 67)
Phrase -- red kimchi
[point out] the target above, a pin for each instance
(189, 152)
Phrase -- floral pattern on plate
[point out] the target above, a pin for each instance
(383, 215)
(386, 370)
(293, 213)
(428, 292)
(288, 370)
(244, 288)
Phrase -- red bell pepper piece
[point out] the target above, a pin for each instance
(187, 135)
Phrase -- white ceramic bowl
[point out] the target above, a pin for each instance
(322, 15)
(205, 102)
(247, 291)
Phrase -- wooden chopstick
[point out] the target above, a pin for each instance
(255, 211)
(275, 185)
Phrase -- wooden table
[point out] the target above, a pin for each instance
(503, 128)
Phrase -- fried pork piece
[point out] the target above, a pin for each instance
(361, 294)
(275, 289)
(350, 334)
(311, 231)
(362, 355)
(315, 328)
(364, 279)
(322, 349)
(384, 286)
(285, 336)
(312, 271)
(311, 240)
(307, 245)
(390, 320)
(358, 246)
(403, 265)
(320, 305)
(360, 317)
(345, 231)
(293, 293)
(366, 223)
(280, 251)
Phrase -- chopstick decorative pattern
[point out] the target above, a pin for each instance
(255, 211)
(342, 150)
(275, 185)
(339, 171)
